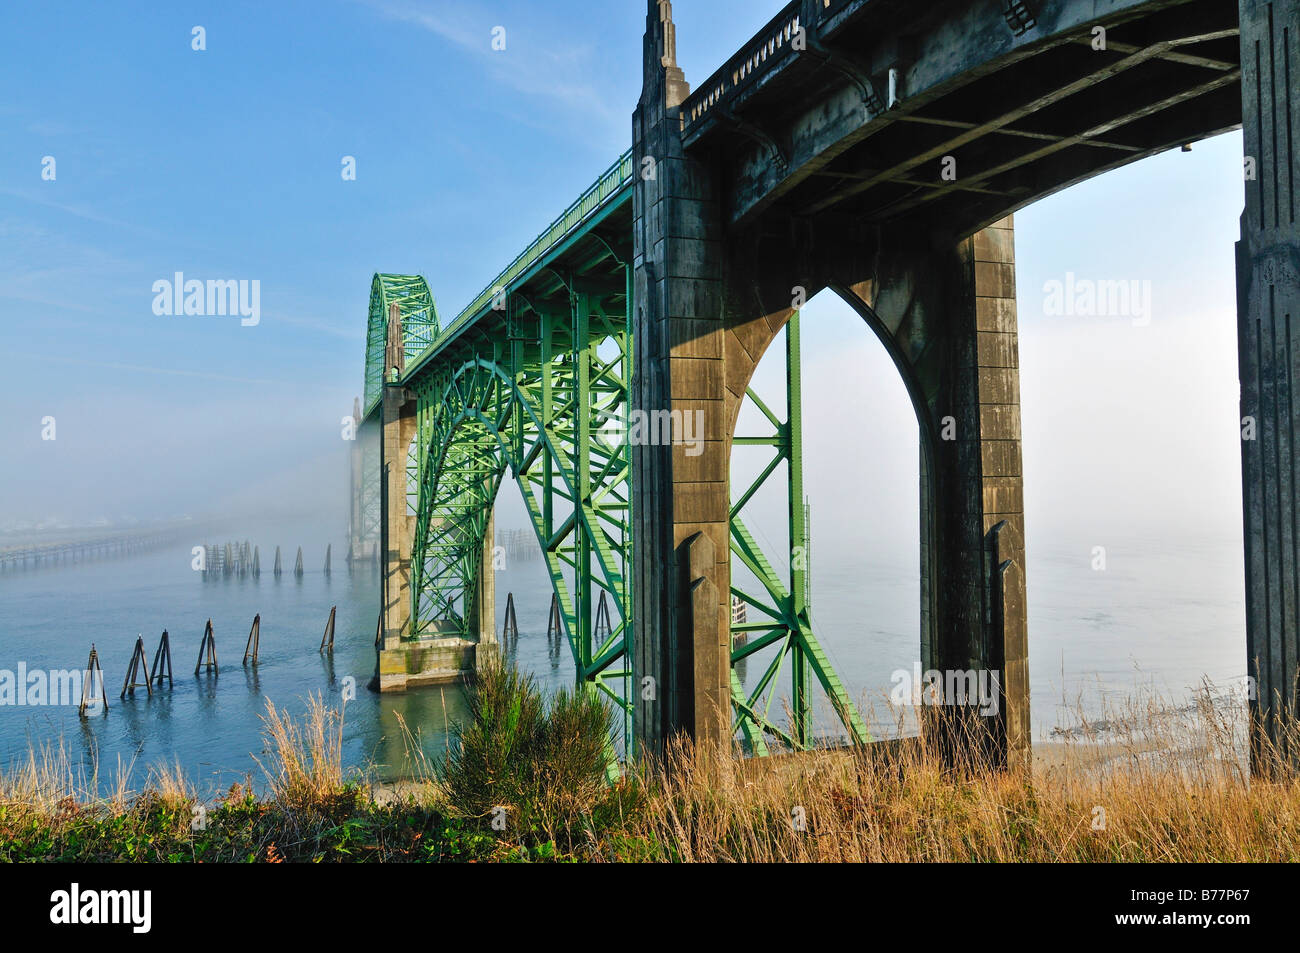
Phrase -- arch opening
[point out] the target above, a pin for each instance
(824, 475)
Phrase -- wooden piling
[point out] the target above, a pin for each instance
(604, 625)
(254, 639)
(277, 562)
(138, 665)
(257, 563)
(327, 640)
(88, 686)
(328, 547)
(162, 661)
(208, 646)
(510, 630)
(554, 627)
(297, 566)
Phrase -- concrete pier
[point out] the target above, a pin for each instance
(1268, 302)
(438, 654)
(708, 309)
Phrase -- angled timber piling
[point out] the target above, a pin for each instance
(604, 627)
(207, 652)
(162, 661)
(254, 640)
(510, 629)
(138, 667)
(327, 639)
(554, 626)
(93, 672)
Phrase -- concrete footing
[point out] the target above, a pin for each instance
(429, 660)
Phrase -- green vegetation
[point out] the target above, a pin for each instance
(526, 781)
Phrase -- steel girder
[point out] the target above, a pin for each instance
(783, 604)
(541, 401)
(539, 389)
(419, 325)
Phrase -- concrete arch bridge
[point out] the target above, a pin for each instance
(877, 148)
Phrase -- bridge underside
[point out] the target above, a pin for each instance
(876, 148)
(985, 121)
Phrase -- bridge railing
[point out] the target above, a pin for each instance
(590, 202)
(746, 66)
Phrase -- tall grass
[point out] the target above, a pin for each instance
(1159, 783)
(1143, 781)
(304, 767)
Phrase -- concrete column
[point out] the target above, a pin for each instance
(398, 528)
(1268, 301)
(1002, 501)
(951, 320)
(485, 598)
(681, 662)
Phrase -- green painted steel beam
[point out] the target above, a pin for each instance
(523, 386)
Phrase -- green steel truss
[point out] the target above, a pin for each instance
(538, 403)
(419, 325)
(783, 628)
(532, 380)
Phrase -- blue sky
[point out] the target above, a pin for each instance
(225, 163)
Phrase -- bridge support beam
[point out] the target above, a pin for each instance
(485, 598)
(973, 554)
(1268, 301)
(948, 318)
(406, 659)
(398, 528)
(682, 659)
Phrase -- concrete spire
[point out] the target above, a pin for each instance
(676, 89)
(669, 33)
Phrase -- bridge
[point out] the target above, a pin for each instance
(878, 149)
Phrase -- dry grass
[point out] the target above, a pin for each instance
(1157, 784)
(304, 767)
(1169, 782)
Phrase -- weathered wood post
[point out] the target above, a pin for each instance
(207, 652)
(254, 643)
(138, 665)
(510, 628)
(327, 637)
(162, 661)
(93, 672)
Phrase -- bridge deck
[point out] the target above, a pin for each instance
(611, 191)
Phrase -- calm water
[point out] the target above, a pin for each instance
(1160, 616)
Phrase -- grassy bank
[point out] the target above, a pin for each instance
(525, 780)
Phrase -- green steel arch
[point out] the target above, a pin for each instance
(420, 325)
(548, 414)
(532, 380)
